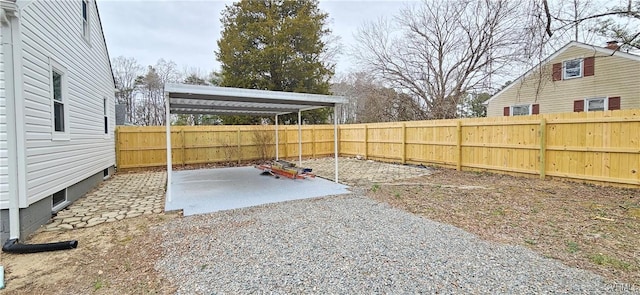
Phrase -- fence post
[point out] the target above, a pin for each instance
(239, 147)
(404, 143)
(366, 135)
(313, 141)
(118, 152)
(543, 148)
(459, 145)
(183, 144)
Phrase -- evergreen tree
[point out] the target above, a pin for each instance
(275, 45)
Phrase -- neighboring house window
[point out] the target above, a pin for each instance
(522, 110)
(59, 199)
(106, 117)
(572, 69)
(85, 19)
(597, 104)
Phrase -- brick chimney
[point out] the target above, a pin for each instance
(613, 45)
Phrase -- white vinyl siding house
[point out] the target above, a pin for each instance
(55, 164)
(63, 68)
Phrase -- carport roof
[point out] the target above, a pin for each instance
(199, 99)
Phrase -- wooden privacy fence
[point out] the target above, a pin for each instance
(593, 146)
(138, 147)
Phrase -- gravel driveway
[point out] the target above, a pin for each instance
(352, 245)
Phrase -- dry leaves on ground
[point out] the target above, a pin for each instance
(582, 225)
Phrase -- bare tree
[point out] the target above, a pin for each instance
(263, 140)
(125, 72)
(620, 21)
(370, 101)
(151, 107)
(344, 87)
(439, 51)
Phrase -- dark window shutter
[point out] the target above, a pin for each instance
(614, 103)
(578, 105)
(535, 109)
(557, 72)
(589, 66)
(507, 111)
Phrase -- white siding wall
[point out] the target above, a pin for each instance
(4, 165)
(53, 30)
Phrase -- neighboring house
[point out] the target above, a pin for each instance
(577, 78)
(56, 109)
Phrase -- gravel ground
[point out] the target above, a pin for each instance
(351, 244)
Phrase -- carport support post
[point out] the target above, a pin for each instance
(335, 140)
(277, 146)
(299, 138)
(168, 129)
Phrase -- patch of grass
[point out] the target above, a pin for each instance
(99, 283)
(125, 240)
(203, 267)
(127, 265)
(143, 226)
(498, 212)
(530, 242)
(603, 259)
(375, 187)
(572, 247)
(396, 195)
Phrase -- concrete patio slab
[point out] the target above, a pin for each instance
(210, 190)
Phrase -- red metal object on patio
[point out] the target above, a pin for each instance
(286, 169)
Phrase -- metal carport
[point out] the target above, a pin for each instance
(213, 100)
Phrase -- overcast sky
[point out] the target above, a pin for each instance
(186, 32)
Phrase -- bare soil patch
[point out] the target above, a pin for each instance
(111, 258)
(585, 226)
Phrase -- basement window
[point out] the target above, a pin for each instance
(59, 200)
(105, 173)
